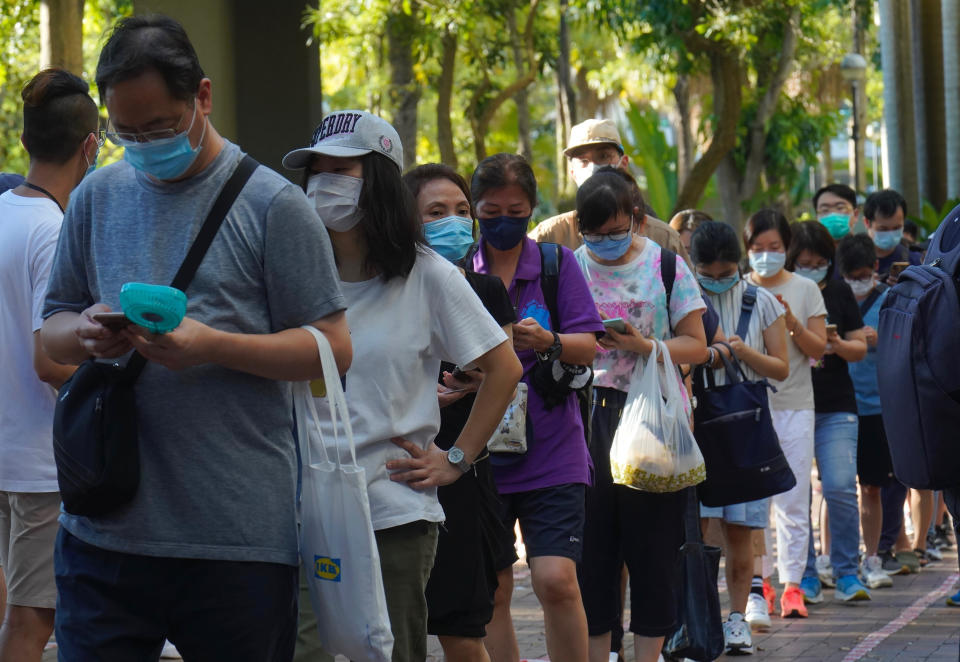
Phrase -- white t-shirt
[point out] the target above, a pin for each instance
(29, 228)
(766, 311)
(401, 330)
(796, 391)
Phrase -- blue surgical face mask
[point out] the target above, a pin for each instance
(718, 285)
(504, 232)
(167, 158)
(838, 225)
(451, 236)
(887, 240)
(767, 264)
(816, 275)
(610, 249)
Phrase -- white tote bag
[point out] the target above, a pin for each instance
(653, 449)
(337, 543)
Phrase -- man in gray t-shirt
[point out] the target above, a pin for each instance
(206, 552)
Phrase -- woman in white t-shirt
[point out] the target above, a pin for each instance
(715, 250)
(623, 271)
(767, 238)
(408, 309)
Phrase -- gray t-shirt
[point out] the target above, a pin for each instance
(217, 453)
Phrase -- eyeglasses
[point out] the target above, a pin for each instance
(120, 138)
(613, 236)
(842, 207)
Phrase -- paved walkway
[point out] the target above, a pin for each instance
(909, 622)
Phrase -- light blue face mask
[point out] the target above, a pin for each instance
(767, 264)
(166, 158)
(718, 285)
(887, 240)
(816, 275)
(610, 249)
(451, 237)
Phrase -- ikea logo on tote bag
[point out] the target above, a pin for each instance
(326, 568)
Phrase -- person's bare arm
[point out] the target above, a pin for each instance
(578, 348)
(774, 362)
(47, 370)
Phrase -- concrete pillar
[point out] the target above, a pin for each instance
(951, 86)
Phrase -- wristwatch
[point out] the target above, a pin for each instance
(456, 457)
(553, 351)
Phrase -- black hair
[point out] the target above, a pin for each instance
(58, 114)
(635, 193)
(501, 170)
(763, 220)
(839, 190)
(689, 220)
(911, 228)
(416, 178)
(152, 41)
(604, 195)
(884, 203)
(856, 251)
(811, 236)
(714, 241)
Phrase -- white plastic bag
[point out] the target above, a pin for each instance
(653, 449)
(337, 543)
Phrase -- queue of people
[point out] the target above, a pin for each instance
(445, 320)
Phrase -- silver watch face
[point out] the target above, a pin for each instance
(455, 455)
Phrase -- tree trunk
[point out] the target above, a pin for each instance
(727, 103)
(566, 100)
(448, 62)
(686, 149)
(61, 35)
(951, 84)
(521, 97)
(404, 90)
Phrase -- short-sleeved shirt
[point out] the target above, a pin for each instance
(218, 461)
(796, 391)
(634, 291)
(766, 311)
(401, 330)
(557, 453)
(493, 296)
(832, 388)
(29, 228)
(864, 373)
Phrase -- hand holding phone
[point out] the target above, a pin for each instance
(615, 323)
(113, 321)
(897, 268)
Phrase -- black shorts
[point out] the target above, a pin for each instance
(624, 525)
(464, 576)
(551, 522)
(874, 466)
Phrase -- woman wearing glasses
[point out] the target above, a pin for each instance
(623, 270)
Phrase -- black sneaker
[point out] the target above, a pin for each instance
(890, 564)
(941, 537)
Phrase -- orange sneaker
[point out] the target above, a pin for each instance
(791, 603)
(770, 595)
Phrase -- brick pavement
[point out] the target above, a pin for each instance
(831, 634)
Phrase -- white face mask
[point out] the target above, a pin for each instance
(335, 198)
(580, 175)
(861, 288)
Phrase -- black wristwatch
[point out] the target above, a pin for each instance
(553, 351)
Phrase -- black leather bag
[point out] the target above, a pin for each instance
(699, 632)
(95, 441)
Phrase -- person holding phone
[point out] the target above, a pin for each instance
(543, 489)
(811, 255)
(767, 236)
(622, 269)
(715, 250)
(463, 580)
(408, 309)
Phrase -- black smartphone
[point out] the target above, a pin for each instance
(113, 321)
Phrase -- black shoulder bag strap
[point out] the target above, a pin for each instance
(746, 310)
(550, 280)
(188, 269)
(668, 274)
(867, 303)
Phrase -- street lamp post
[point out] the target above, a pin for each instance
(853, 68)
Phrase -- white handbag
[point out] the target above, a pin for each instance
(337, 543)
(511, 435)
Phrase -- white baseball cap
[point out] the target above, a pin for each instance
(593, 132)
(349, 133)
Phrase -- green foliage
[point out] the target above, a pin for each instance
(930, 218)
(648, 148)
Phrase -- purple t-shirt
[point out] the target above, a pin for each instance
(557, 454)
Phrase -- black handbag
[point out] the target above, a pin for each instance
(95, 441)
(699, 632)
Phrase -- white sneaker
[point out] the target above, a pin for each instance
(934, 554)
(825, 571)
(873, 573)
(170, 652)
(758, 614)
(736, 635)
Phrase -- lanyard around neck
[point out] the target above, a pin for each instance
(47, 193)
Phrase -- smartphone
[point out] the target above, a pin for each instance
(831, 328)
(113, 321)
(615, 323)
(897, 268)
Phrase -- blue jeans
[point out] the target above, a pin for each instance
(835, 446)
(115, 607)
